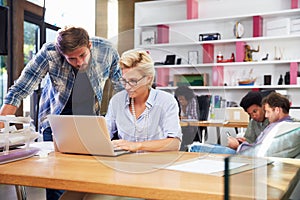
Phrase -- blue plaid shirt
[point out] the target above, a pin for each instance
(59, 77)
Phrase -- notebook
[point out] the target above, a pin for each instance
(82, 134)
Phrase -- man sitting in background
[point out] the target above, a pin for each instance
(276, 108)
(251, 103)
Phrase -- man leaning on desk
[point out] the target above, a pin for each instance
(73, 65)
(276, 108)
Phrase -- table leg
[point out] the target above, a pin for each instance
(218, 135)
(21, 192)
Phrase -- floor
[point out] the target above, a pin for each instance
(8, 192)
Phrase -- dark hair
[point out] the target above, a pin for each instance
(277, 100)
(185, 91)
(251, 98)
(71, 38)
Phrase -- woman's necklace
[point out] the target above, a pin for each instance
(138, 131)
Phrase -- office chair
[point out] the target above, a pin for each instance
(203, 108)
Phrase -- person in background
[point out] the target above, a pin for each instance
(187, 102)
(75, 68)
(276, 108)
(251, 103)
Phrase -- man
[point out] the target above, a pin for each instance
(75, 68)
(72, 52)
(251, 103)
(276, 108)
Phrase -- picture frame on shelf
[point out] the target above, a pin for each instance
(193, 57)
(148, 37)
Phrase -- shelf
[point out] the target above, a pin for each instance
(235, 87)
(275, 62)
(225, 41)
(282, 13)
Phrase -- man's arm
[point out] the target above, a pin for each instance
(7, 109)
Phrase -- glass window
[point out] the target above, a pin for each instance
(31, 45)
(71, 12)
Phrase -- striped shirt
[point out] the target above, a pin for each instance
(59, 77)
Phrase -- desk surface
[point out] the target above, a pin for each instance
(208, 123)
(134, 175)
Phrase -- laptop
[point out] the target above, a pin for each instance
(82, 134)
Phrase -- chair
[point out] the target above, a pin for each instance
(282, 141)
(203, 107)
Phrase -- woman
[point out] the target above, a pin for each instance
(144, 119)
(188, 102)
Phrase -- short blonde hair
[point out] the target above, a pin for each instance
(140, 60)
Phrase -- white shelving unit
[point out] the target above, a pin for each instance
(220, 16)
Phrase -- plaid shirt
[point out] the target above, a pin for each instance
(59, 77)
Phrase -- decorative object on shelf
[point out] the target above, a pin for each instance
(281, 50)
(220, 57)
(221, 60)
(191, 79)
(247, 79)
(266, 58)
(267, 79)
(247, 82)
(209, 36)
(280, 80)
(193, 57)
(287, 78)
(148, 37)
(170, 60)
(178, 61)
(238, 30)
(248, 53)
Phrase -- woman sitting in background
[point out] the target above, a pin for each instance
(187, 102)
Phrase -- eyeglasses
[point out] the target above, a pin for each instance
(132, 83)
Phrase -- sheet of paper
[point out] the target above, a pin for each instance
(204, 166)
(45, 148)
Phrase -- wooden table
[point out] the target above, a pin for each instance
(136, 175)
(214, 124)
(208, 123)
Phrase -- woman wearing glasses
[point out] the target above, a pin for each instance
(144, 119)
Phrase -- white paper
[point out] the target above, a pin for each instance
(204, 166)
